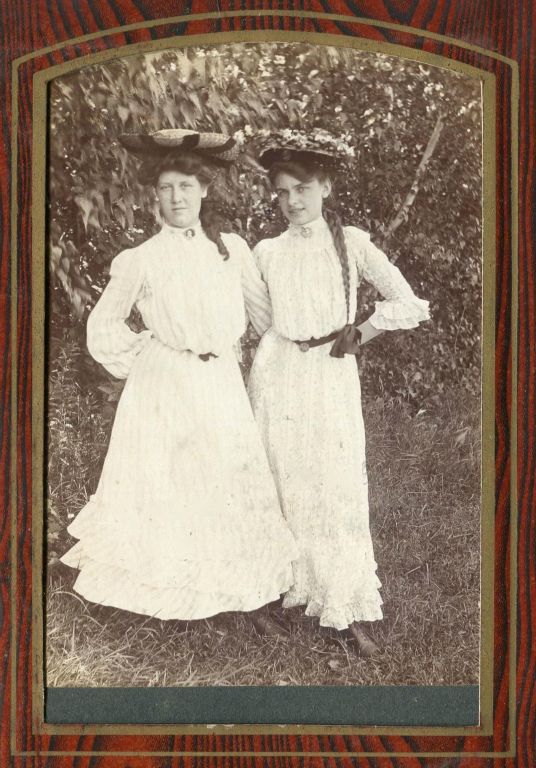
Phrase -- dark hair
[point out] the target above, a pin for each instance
(306, 171)
(191, 164)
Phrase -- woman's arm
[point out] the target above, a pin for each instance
(109, 340)
(256, 296)
(400, 307)
(368, 332)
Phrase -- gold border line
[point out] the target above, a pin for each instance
(349, 19)
(14, 405)
(192, 36)
(39, 494)
(486, 687)
(313, 15)
(164, 44)
(514, 320)
(488, 400)
(485, 727)
(305, 755)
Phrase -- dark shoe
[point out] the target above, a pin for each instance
(265, 626)
(365, 645)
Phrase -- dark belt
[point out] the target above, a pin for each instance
(205, 356)
(347, 341)
(306, 345)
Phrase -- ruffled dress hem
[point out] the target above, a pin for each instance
(341, 616)
(106, 584)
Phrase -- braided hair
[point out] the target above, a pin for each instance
(305, 172)
(337, 233)
(191, 164)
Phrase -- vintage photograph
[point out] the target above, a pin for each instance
(264, 373)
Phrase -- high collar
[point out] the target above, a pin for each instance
(182, 232)
(312, 229)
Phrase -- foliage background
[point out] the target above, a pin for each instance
(389, 106)
(417, 190)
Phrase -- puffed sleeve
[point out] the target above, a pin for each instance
(400, 307)
(256, 296)
(109, 340)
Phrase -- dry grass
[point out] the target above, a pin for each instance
(424, 484)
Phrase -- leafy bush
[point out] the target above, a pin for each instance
(417, 186)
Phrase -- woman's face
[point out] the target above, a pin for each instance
(180, 197)
(301, 201)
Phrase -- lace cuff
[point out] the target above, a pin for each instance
(395, 315)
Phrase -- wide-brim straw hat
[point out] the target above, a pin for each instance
(317, 147)
(274, 155)
(217, 148)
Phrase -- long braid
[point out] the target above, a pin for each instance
(335, 227)
(211, 224)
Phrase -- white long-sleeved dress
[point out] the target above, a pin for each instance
(185, 522)
(308, 407)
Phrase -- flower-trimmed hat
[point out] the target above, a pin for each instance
(316, 146)
(217, 148)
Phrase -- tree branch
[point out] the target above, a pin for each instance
(402, 214)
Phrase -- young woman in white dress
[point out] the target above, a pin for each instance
(185, 522)
(304, 386)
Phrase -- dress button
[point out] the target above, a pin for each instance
(304, 346)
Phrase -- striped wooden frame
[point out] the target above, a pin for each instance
(493, 35)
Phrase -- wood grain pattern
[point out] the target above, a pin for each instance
(504, 26)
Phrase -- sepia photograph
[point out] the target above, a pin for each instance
(264, 370)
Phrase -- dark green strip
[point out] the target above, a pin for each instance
(385, 705)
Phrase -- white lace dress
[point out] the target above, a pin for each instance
(308, 407)
(185, 522)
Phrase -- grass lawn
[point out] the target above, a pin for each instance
(424, 475)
